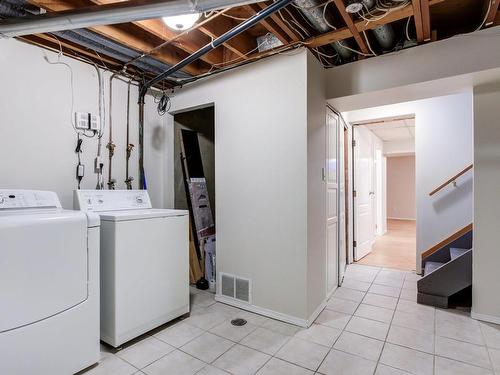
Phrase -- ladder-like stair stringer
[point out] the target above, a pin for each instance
(447, 272)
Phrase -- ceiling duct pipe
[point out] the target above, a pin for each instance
(245, 25)
(109, 14)
(314, 15)
(384, 34)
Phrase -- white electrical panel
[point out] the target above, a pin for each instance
(86, 121)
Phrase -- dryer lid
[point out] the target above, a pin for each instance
(43, 265)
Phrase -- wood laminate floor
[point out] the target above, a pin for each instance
(396, 248)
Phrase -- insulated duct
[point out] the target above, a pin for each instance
(384, 34)
(109, 14)
(314, 15)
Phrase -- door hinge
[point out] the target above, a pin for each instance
(354, 243)
(353, 143)
(354, 193)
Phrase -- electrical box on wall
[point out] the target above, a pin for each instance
(86, 121)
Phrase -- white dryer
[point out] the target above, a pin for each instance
(144, 262)
(49, 285)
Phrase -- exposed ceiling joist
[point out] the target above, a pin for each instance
(351, 26)
(131, 38)
(277, 19)
(426, 19)
(270, 25)
(111, 14)
(241, 44)
(417, 15)
(189, 44)
(362, 25)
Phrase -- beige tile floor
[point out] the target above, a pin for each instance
(372, 325)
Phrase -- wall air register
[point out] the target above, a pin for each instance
(237, 288)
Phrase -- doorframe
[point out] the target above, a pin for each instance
(325, 179)
(344, 131)
(384, 173)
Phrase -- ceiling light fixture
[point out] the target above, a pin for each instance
(182, 22)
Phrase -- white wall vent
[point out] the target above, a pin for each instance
(236, 287)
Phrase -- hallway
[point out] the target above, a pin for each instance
(395, 249)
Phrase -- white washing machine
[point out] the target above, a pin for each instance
(49, 285)
(144, 262)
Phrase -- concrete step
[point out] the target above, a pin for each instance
(455, 252)
(431, 267)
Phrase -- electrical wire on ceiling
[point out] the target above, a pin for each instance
(384, 7)
(485, 16)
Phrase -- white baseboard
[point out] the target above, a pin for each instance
(485, 318)
(262, 311)
(318, 311)
(305, 323)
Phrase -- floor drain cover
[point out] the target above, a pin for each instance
(238, 322)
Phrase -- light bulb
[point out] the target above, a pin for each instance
(182, 22)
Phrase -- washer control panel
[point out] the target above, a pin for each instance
(22, 199)
(111, 200)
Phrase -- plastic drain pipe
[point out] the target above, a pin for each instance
(245, 25)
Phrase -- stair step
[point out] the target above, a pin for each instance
(455, 252)
(431, 267)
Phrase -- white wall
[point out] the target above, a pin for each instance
(454, 64)
(401, 188)
(37, 142)
(443, 147)
(261, 176)
(316, 188)
(486, 254)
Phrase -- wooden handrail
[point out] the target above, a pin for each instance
(459, 233)
(452, 179)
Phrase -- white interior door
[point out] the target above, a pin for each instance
(364, 226)
(332, 187)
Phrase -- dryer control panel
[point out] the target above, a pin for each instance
(111, 200)
(23, 199)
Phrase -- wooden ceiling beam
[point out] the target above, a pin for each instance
(193, 42)
(426, 19)
(492, 14)
(60, 44)
(417, 15)
(128, 37)
(283, 26)
(351, 26)
(241, 44)
(270, 25)
(362, 25)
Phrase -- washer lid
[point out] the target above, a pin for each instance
(151, 213)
